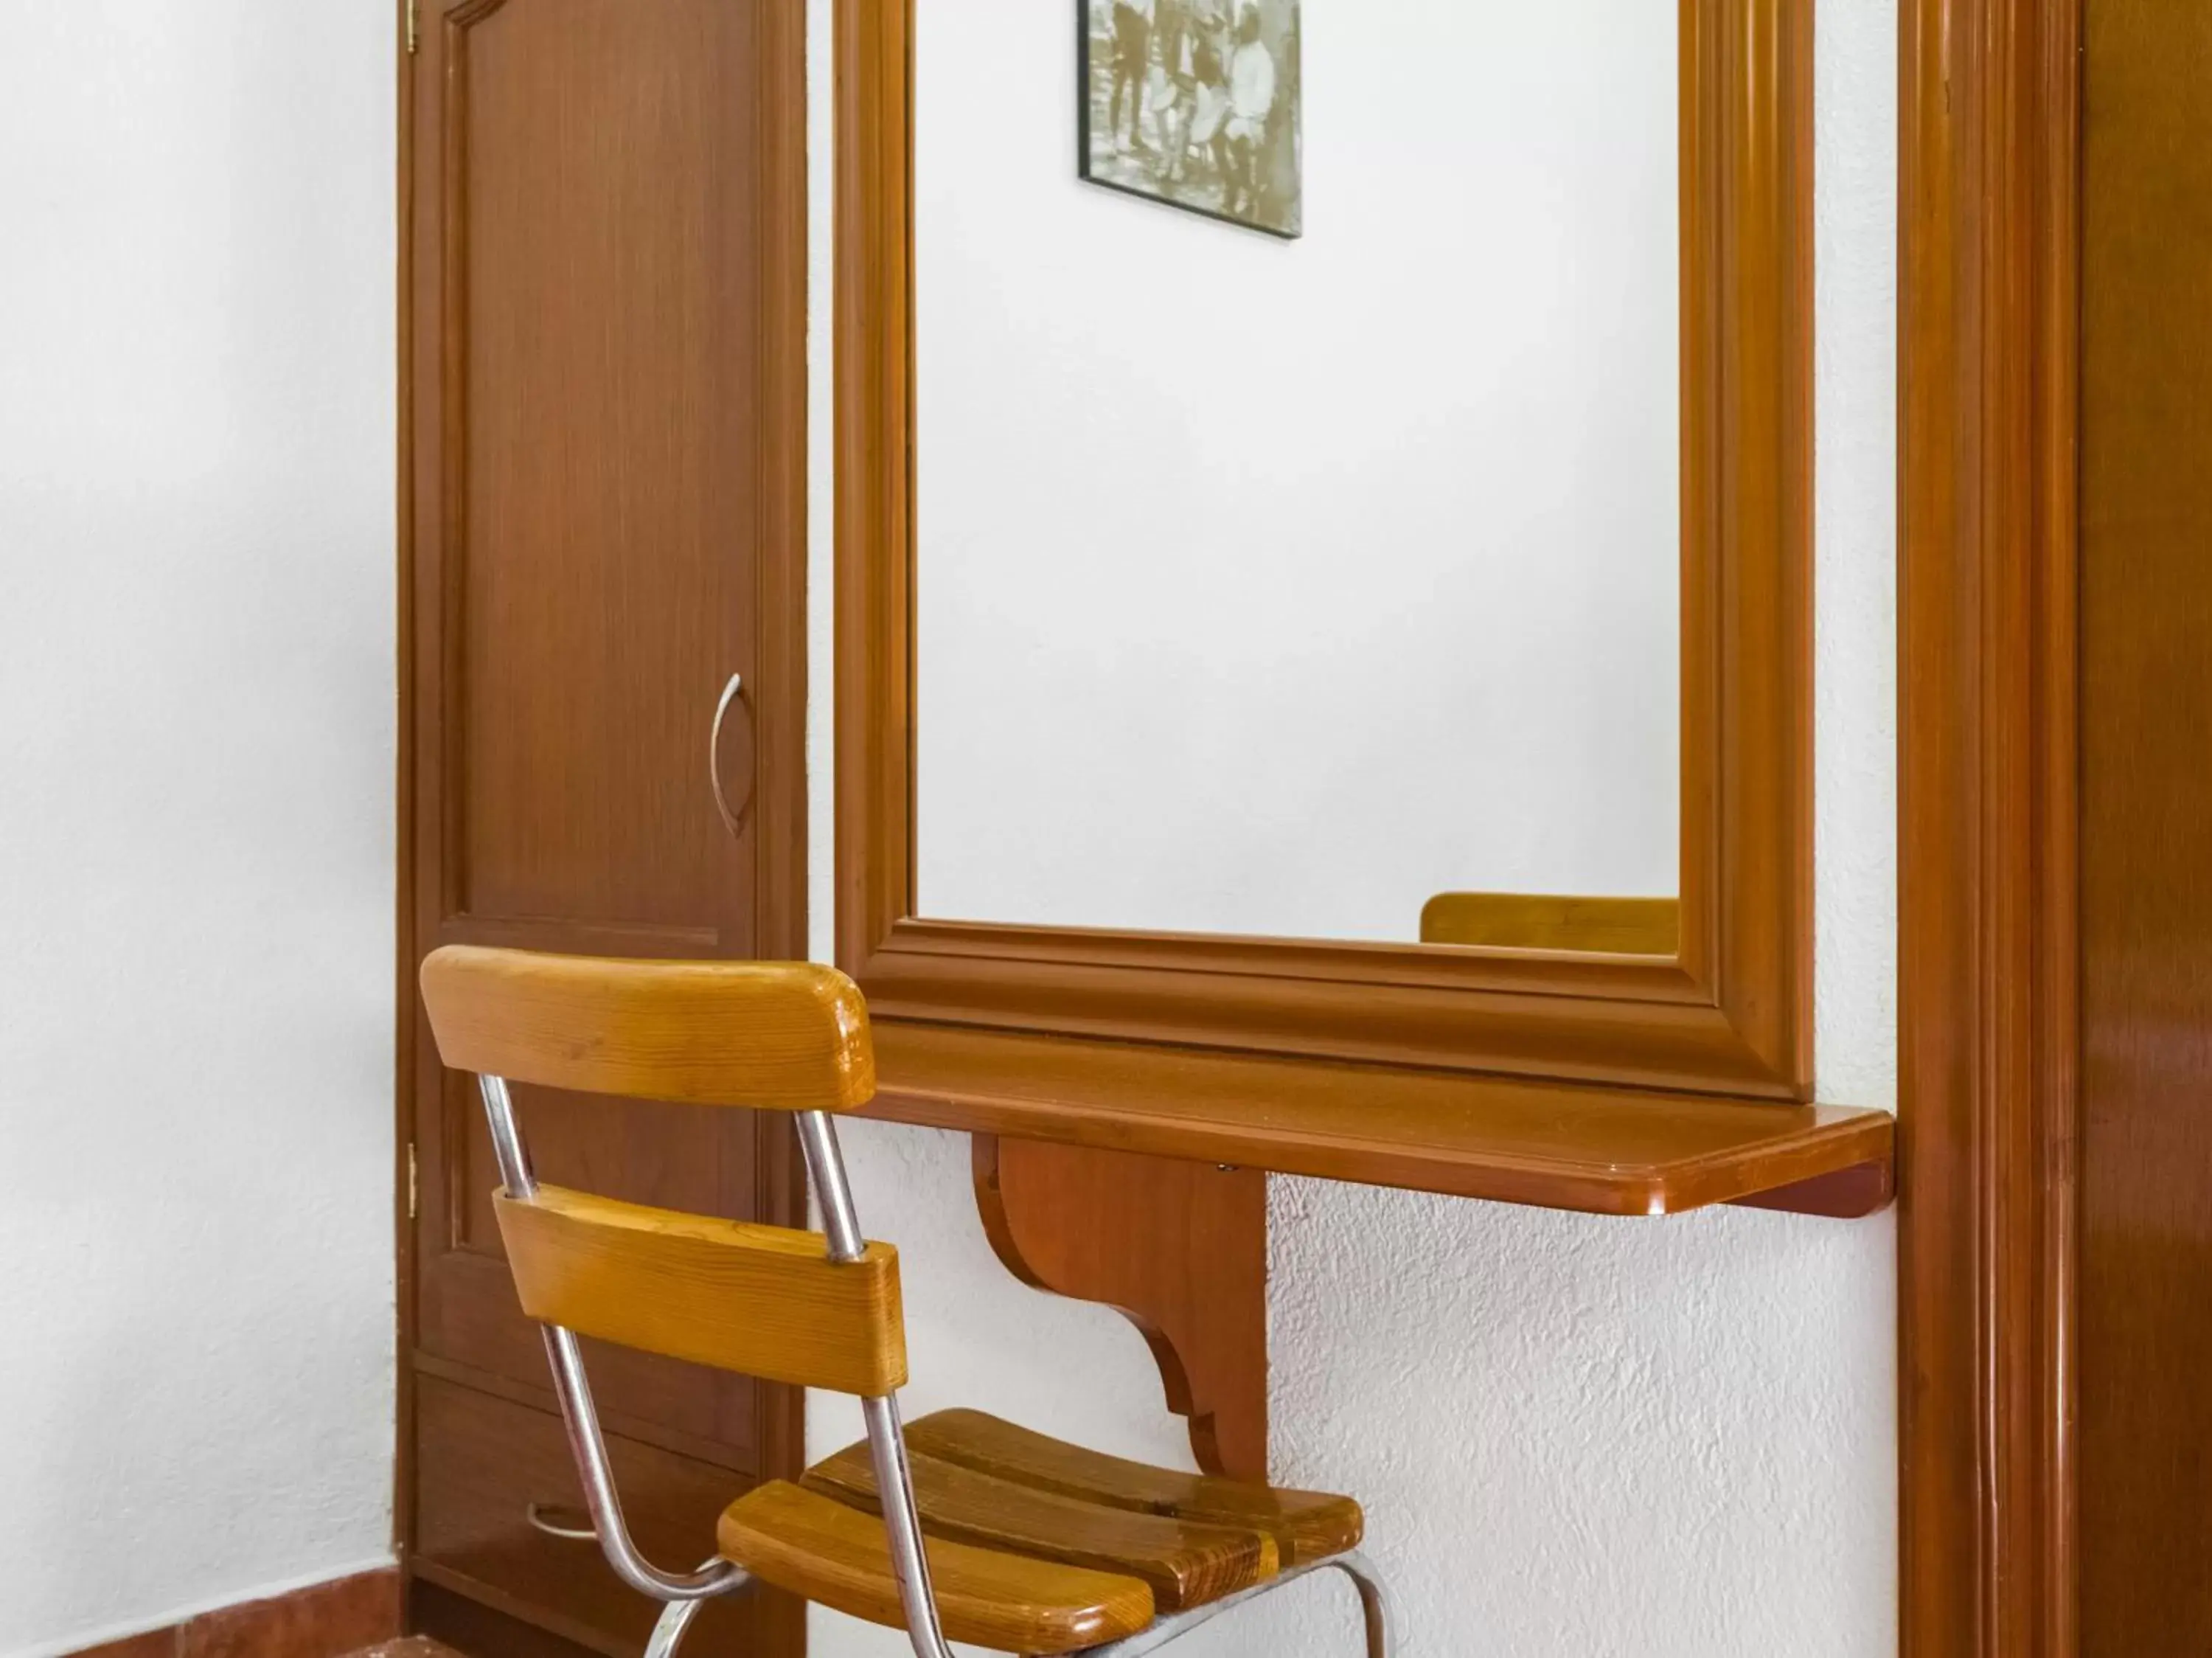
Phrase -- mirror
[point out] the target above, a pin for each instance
(1303, 589)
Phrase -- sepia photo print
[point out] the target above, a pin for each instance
(1195, 103)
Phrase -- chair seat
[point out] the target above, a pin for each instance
(1306, 1526)
(838, 1556)
(1036, 1546)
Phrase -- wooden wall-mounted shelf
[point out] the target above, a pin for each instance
(1559, 1145)
(1131, 1175)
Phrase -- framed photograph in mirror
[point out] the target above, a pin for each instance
(1198, 104)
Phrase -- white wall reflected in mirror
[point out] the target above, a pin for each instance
(1270, 588)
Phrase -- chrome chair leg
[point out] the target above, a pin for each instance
(1380, 1610)
(1376, 1602)
(676, 1617)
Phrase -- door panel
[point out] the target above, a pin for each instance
(2145, 1440)
(605, 495)
(600, 360)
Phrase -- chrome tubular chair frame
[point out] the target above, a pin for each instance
(1374, 1601)
(586, 1440)
(683, 1592)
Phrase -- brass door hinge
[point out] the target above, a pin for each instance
(414, 28)
(411, 1194)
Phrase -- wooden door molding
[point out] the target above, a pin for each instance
(1730, 1013)
(1988, 1130)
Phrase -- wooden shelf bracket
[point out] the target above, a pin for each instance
(1178, 1248)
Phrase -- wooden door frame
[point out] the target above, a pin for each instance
(1988, 417)
(780, 822)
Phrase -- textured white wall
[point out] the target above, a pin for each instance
(196, 763)
(1668, 1438)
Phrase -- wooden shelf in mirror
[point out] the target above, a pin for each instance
(1560, 1145)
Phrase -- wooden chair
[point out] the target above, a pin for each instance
(961, 1527)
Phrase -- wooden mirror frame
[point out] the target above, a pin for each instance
(1731, 1013)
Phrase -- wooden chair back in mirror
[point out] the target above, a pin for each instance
(1527, 921)
(1536, 922)
(978, 1531)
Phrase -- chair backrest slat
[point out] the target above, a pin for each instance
(786, 1036)
(764, 1300)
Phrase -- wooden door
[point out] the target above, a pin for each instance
(2145, 1437)
(603, 357)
